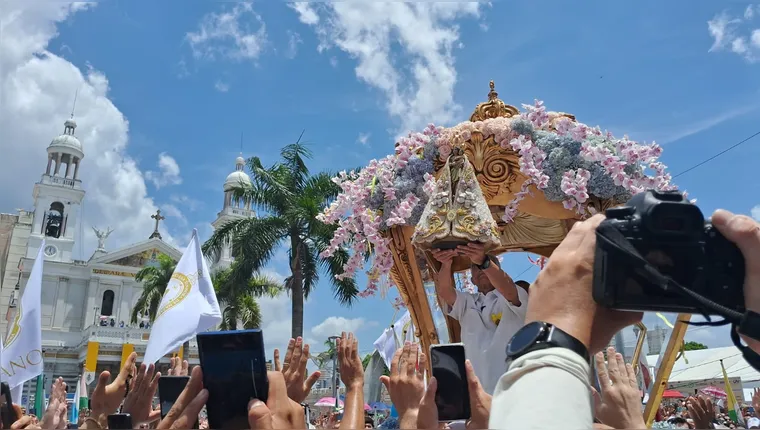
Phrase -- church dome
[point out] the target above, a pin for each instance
(235, 179)
(238, 177)
(66, 141)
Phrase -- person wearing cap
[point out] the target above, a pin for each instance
(488, 318)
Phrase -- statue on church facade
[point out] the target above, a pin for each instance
(102, 236)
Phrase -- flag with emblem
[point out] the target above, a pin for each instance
(734, 411)
(21, 356)
(189, 305)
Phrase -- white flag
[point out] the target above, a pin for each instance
(394, 337)
(21, 357)
(189, 305)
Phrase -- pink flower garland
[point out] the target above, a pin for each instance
(359, 226)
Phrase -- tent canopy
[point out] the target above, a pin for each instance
(705, 364)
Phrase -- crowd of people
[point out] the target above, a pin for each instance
(543, 387)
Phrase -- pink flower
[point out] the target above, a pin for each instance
(444, 151)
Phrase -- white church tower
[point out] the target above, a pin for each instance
(58, 198)
(232, 210)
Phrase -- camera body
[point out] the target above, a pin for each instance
(671, 234)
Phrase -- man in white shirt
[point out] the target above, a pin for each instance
(489, 317)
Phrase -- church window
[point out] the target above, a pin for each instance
(106, 306)
(54, 224)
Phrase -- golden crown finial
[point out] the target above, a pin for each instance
(493, 108)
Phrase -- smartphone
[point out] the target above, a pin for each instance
(234, 372)
(7, 412)
(120, 421)
(452, 397)
(169, 389)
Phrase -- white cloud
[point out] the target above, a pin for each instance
(333, 326)
(363, 138)
(333, 61)
(416, 80)
(168, 172)
(229, 34)
(756, 212)
(221, 86)
(294, 39)
(186, 202)
(36, 93)
(733, 33)
(173, 211)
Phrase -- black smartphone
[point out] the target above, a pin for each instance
(7, 412)
(234, 372)
(169, 389)
(120, 421)
(452, 396)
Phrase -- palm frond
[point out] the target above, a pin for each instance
(309, 257)
(294, 156)
(250, 313)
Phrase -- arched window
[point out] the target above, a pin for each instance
(54, 225)
(106, 306)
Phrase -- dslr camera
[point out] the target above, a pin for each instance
(673, 236)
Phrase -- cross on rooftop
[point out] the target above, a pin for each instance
(158, 217)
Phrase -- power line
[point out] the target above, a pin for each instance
(718, 154)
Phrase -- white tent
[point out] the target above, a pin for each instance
(704, 366)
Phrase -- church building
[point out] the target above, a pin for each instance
(86, 304)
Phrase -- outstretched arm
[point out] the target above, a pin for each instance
(444, 286)
(499, 278)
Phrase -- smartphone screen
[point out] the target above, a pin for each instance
(120, 421)
(169, 389)
(234, 372)
(452, 396)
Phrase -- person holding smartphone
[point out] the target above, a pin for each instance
(490, 317)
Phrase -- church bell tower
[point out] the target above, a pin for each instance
(58, 198)
(232, 209)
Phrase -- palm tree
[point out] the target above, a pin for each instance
(327, 356)
(239, 304)
(290, 198)
(154, 280)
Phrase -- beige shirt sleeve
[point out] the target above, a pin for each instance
(544, 389)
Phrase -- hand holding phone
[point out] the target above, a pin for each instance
(452, 397)
(234, 372)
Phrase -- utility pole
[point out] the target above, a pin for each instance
(336, 375)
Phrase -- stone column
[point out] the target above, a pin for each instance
(58, 164)
(50, 164)
(76, 168)
(68, 167)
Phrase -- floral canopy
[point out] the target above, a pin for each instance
(564, 160)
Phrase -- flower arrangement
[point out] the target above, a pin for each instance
(567, 160)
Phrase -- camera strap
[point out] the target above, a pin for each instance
(747, 323)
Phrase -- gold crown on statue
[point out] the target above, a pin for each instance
(493, 108)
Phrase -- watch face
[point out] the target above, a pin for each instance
(50, 250)
(525, 337)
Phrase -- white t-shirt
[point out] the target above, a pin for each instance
(488, 323)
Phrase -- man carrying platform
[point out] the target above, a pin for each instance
(489, 317)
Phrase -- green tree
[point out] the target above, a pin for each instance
(239, 304)
(693, 346)
(154, 280)
(325, 358)
(289, 198)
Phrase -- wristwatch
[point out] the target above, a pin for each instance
(485, 265)
(541, 335)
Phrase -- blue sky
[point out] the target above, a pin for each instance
(190, 77)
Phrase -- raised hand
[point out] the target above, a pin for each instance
(294, 370)
(178, 367)
(619, 404)
(480, 401)
(405, 384)
(184, 413)
(476, 252)
(702, 412)
(350, 365)
(139, 401)
(55, 414)
(445, 256)
(280, 411)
